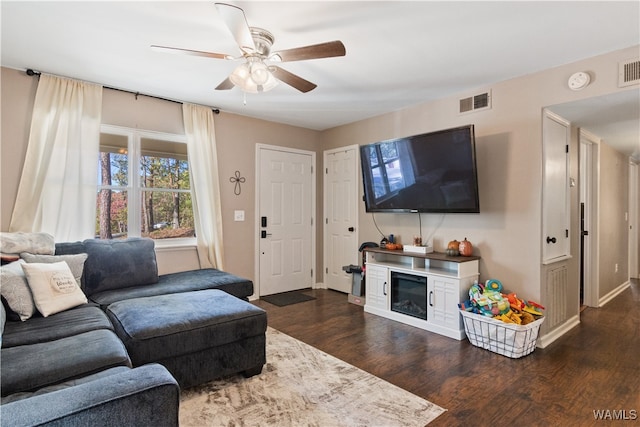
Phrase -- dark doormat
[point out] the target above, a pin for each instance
(287, 298)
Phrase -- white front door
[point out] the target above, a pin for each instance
(285, 194)
(341, 216)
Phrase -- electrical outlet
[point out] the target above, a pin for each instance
(238, 215)
(616, 268)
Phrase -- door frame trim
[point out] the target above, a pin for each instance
(256, 209)
(325, 246)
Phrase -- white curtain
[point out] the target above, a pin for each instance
(205, 183)
(57, 191)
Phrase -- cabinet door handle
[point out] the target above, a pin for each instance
(384, 288)
(431, 299)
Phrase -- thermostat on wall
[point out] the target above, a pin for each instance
(579, 80)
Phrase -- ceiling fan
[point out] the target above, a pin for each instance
(254, 75)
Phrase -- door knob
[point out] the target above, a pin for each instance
(551, 239)
(351, 229)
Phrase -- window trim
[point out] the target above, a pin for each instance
(134, 145)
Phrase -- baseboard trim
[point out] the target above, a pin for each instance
(614, 293)
(553, 335)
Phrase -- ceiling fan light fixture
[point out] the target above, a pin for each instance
(253, 76)
(259, 72)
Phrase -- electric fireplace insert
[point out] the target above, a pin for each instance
(409, 294)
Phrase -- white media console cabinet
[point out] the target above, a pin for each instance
(422, 290)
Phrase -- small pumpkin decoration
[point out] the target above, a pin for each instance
(465, 248)
(452, 252)
(454, 244)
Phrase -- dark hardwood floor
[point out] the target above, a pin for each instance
(595, 366)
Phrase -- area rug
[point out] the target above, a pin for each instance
(287, 298)
(301, 385)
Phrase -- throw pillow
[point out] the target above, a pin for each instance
(75, 262)
(53, 286)
(15, 290)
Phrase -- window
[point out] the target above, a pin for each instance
(143, 185)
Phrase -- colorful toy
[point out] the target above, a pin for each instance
(533, 308)
(488, 300)
(466, 306)
(516, 303)
(493, 285)
(535, 304)
(510, 317)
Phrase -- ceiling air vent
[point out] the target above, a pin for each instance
(629, 72)
(476, 102)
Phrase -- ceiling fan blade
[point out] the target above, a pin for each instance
(190, 52)
(292, 80)
(235, 19)
(322, 50)
(225, 85)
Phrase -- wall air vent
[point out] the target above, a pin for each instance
(629, 72)
(477, 102)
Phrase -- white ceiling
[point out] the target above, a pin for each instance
(398, 53)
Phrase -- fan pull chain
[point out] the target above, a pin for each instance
(244, 98)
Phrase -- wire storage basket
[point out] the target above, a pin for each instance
(508, 339)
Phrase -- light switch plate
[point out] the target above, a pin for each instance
(238, 215)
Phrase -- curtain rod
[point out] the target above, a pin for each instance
(31, 72)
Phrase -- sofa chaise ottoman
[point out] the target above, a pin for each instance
(198, 336)
(71, 369)
(76, 368)
(146, 308)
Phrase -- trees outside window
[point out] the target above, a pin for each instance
(143, 185)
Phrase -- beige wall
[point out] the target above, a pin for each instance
(236, 136)
(613, 227)
(18, 93)
(507, 232)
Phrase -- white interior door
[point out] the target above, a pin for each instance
(341, 216)
(285, 194)
(634, 261)
(589, 227)
(555, 190)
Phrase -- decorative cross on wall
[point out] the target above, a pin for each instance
(237, 180)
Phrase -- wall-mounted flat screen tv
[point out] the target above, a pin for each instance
(432, 172)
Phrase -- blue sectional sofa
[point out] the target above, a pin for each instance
(121, 358)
